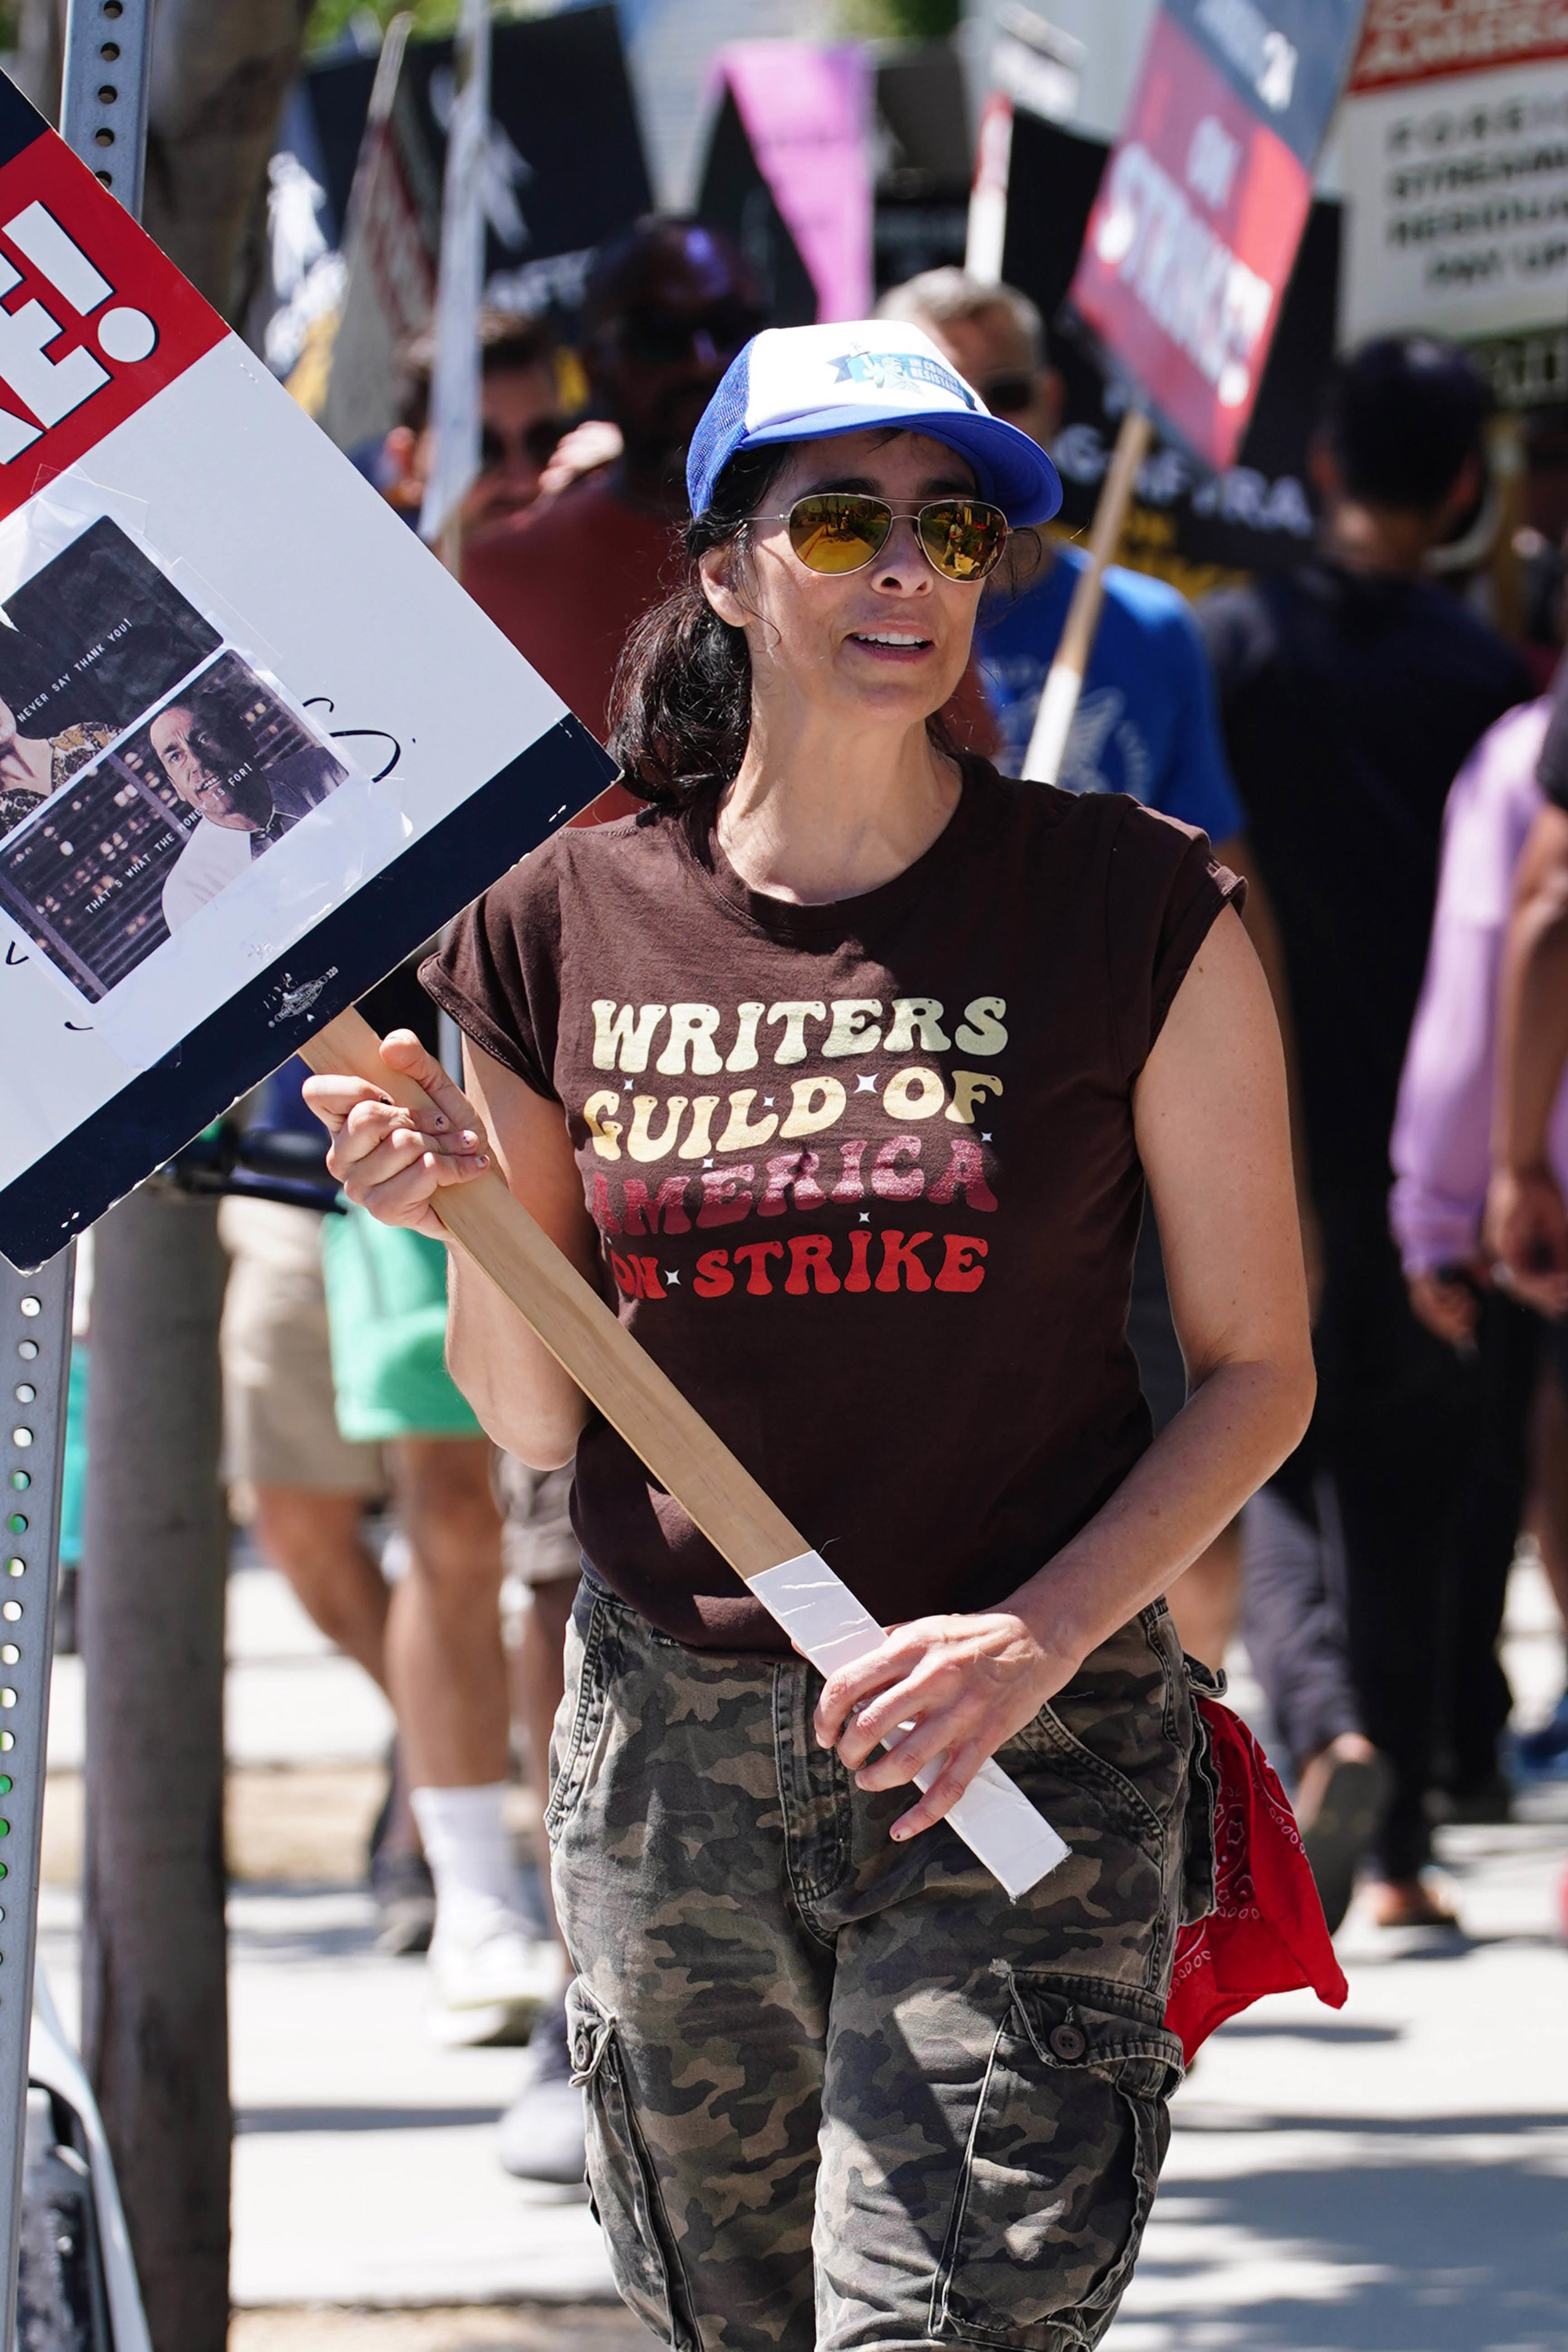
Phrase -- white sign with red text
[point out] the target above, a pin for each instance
(255, 743)
(1455, 130)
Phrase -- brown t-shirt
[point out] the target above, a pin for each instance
(864, 1175)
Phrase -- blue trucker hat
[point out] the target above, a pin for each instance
(806, 383)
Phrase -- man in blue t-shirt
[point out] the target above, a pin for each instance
(1147, 722)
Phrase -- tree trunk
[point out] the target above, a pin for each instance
(36, 65)
(155, 1996)
(220, 75)
(221, 70)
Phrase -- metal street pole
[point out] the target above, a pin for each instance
(104, 97)
(154, 1989)
(35, 1365)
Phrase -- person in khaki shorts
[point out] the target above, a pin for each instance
(309, 1486)
(309, 1490)
(541, 2136)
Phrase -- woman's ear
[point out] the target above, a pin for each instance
(713, 570)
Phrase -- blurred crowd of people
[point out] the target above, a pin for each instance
(1367, 750)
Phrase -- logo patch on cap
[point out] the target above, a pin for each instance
(891, 368)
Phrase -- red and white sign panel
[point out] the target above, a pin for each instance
(255, 743)
(1196, 226)
(1455, 164)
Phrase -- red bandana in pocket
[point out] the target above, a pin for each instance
(1267, 1931)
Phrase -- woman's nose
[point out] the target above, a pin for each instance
(903, 559)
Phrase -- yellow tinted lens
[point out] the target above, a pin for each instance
(962, 537)
(838, 531)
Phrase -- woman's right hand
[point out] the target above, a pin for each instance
(391, 1160)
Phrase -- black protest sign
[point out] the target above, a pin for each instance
(567, 168)
(734, 196)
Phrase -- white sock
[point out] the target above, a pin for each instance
(469, 1854)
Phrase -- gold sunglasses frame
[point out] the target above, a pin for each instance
(898, 514)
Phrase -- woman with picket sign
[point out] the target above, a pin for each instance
(861, 1059)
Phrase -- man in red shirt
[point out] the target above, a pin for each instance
(666, 309)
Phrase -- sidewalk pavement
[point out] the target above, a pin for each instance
(1392, 2178)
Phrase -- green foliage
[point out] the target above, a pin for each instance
(331, 19)
(884, 20)
(901, 20)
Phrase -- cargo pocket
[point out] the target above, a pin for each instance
(578, 1721)
(1059, 2172)
(621, 2178)
(1203, 1800)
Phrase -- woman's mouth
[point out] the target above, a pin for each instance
(892, 645)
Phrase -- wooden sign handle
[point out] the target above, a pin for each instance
(817, 1611)
(584, 1335)
(1058, 703)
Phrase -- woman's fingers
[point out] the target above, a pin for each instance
(401, 1052)
(369, 1126)
(366, 1115)
(402, 1196)
(850, 1688)
(363, 1175)
(913, 1745)
(932, 1687)
(937, 1802)
(332, 1099)
(368, 1129)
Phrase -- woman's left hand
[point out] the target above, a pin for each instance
(958, 1685)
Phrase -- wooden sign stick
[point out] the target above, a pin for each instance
(816, 1609)
(1053, 720)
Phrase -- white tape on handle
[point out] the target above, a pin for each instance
(830, 1627)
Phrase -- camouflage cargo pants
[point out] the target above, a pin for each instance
(843, 2094)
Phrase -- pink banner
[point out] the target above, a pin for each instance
(805, 111)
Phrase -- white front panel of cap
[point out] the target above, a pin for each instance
(882, 365)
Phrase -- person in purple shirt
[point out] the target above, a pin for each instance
(1442, 1132)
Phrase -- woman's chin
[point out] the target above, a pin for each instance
(909, 690)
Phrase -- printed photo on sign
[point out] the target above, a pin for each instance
(89, 641)
(157, 825)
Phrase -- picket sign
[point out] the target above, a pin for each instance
(794, 1583)
(1188, 251)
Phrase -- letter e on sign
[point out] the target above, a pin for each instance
(95, 322)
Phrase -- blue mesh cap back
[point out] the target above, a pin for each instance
(721, 429)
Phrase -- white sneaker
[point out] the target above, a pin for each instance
(542, 2137)
(490, 1977)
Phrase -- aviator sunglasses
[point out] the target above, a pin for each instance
(836, 531)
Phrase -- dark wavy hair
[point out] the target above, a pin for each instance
(680, 708)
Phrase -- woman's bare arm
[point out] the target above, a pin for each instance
(1213, 1135)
